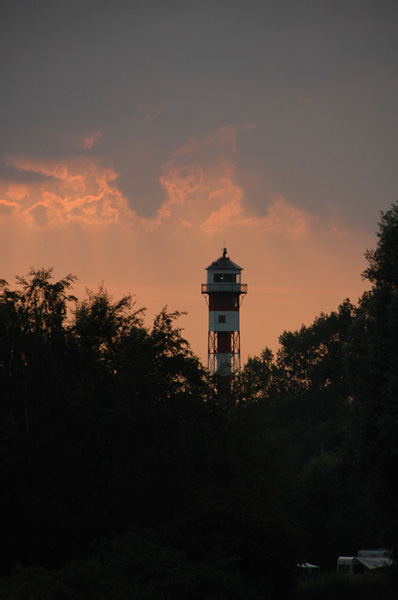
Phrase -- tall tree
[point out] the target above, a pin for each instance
(373, 367)
(34, 345)
(34, 385)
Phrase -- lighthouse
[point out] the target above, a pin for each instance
(224, 292)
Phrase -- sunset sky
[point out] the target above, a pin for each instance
(139, 138)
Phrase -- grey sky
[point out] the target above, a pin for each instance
(318, 80)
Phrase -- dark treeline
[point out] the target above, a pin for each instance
(128, 472)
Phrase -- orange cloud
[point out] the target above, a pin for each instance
(80, 192)
(201, 192)
(17, 191)
(196, 173)
(282, 218)
(54, 170)
(200, 178)
(90, 141)
(8, 208)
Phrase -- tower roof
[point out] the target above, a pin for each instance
(224, 263)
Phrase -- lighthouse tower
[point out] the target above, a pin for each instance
(224, 291)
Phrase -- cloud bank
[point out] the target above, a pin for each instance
(201, 189)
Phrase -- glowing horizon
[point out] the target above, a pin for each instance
(133, 151)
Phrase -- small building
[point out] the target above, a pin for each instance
(364, 561)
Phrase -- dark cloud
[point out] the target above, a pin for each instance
(336, 149)
(11, 174)
(74, 68)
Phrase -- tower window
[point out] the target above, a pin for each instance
(224, 277)
(221, 318)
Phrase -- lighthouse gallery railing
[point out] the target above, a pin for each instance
(240, 288)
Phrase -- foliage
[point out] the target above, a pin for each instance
(127, 471)
(373, 375)
(383, 261)
(109, 425)
(331, 393)
(375, 586)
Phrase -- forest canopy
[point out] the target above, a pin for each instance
(127, 470)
